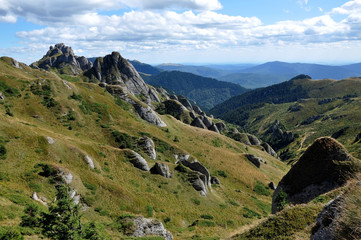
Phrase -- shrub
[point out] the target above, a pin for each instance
(32, 216)
(249, 213)
(216, 142)
(281, 200)
(222, 173)
(3, 152)
(206, 223)
(149, 211)
(196, 201)
(123, 139)
(207, 216)
(261, 189)
(10, 234)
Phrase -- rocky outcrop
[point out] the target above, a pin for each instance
(277, 136)
(161, 169)
(213, 128)
(221, 127)
(148, 114)
(145, 227)
(198, 181)
(197, 122)
(147, 145)
(253, 140)
(269, 149)
(215, 180)
(50, 140)
(138, 161)
(176, 109)
(255, 160)
(326, 223)
(2, 96)
(198, 167)
(64, 60)
(272, 186)
(197, 109)
(113, 69)
(207, 122)
(89, 161)
(185, 102)
(66, 176)
(324, 166)
(41, 200)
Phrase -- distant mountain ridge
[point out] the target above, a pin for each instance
(206, 92)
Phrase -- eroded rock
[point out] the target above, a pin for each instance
(148, 147)
(161, 169)
(138, 161)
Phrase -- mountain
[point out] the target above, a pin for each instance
(316, 71)
(127, 173)
(144, 68)
(356, 67)
(206, 92)
(62, 58)
(253, 80)
(291, 115)
(197, 70)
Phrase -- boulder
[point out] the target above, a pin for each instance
(269, 149)
(255, 160)
(148, 114)
(197, 122)
(2, 96)
(221, 126)
(89, 161)
(215, 180)
(67, 177)
(138, 161)
(176, 109)
(50, 140)
(197, 109)
(145, 227)
(198, 181)
(253, 140)
(198, 167)
(324, 166)
(174, 97)
(161, 169)
(326, 222)
(208, 123)
(214, 128)
(185, 102)
(147, 145)
(272, 186)
(42, 200)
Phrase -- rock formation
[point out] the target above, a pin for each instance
(64, 60)
(138, 161)
(255, 160)
(161, 169)
(324, 166)
(148, 147)
(269, 149)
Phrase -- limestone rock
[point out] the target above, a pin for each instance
(185, 102)
(272, 186)
(255, 160)
(221, 126)
(208, 123)
(2, 96)
(269, 149)
(197, 122)
(253, 140)
(324, 166)
(113, 69)
(148, 147)
(62, 58)
(214, 128)
(50, 140)
(148, 114)
(144, 227)
(202, 175)
(215, 180)
(326, 223)
(161, 169)
(198, 181)
(176, 109)
(42, 200)
(89, 161)
(67, 177)
(197, 109)
(174, 97)
(138, 161)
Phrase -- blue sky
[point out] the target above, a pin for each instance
(186, 31)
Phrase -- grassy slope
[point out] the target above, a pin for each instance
(119, 187)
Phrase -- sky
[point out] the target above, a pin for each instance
(186, 31)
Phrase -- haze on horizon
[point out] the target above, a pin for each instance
(186, 31)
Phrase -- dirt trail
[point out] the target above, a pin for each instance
(304, 139)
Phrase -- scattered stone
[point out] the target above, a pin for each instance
(50, 140)
(89, 161)
(272, 186)
(138, 161)
(143, 227)
(221, 126)
(215, 180)
(148, 147)
(161, 169)
(197, 122)
(269, 149)
(255, 160)
(214, 128)
(67, 177)
(41, 199)
(2, 96)
(148, 114)
(326, 223)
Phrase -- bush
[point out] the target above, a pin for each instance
(281, 200)
(32, 217)
(3, 152)
(249, 213)
(10, 234)
(149, 211)
(207, 216)
(261, 189)
(206, 223)
(222, 173)
(123, 139)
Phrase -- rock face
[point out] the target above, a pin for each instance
(146, 227)
(185, 102)
(269, 149)
(67, 177)
(161, 169)
(214, 128)
(325, 165)
(148, 147)
(113, 69)
(326, 225)
(253, 140)
(62, 58)
(221, 126)
(148, 114)
(277, 136)
(197, 122)
(138, 161)
(255, 160)
(176, 109)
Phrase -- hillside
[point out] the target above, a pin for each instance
(197, 70)
(291, 115)
(253, 80)
(57, 128)
(206, 92)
